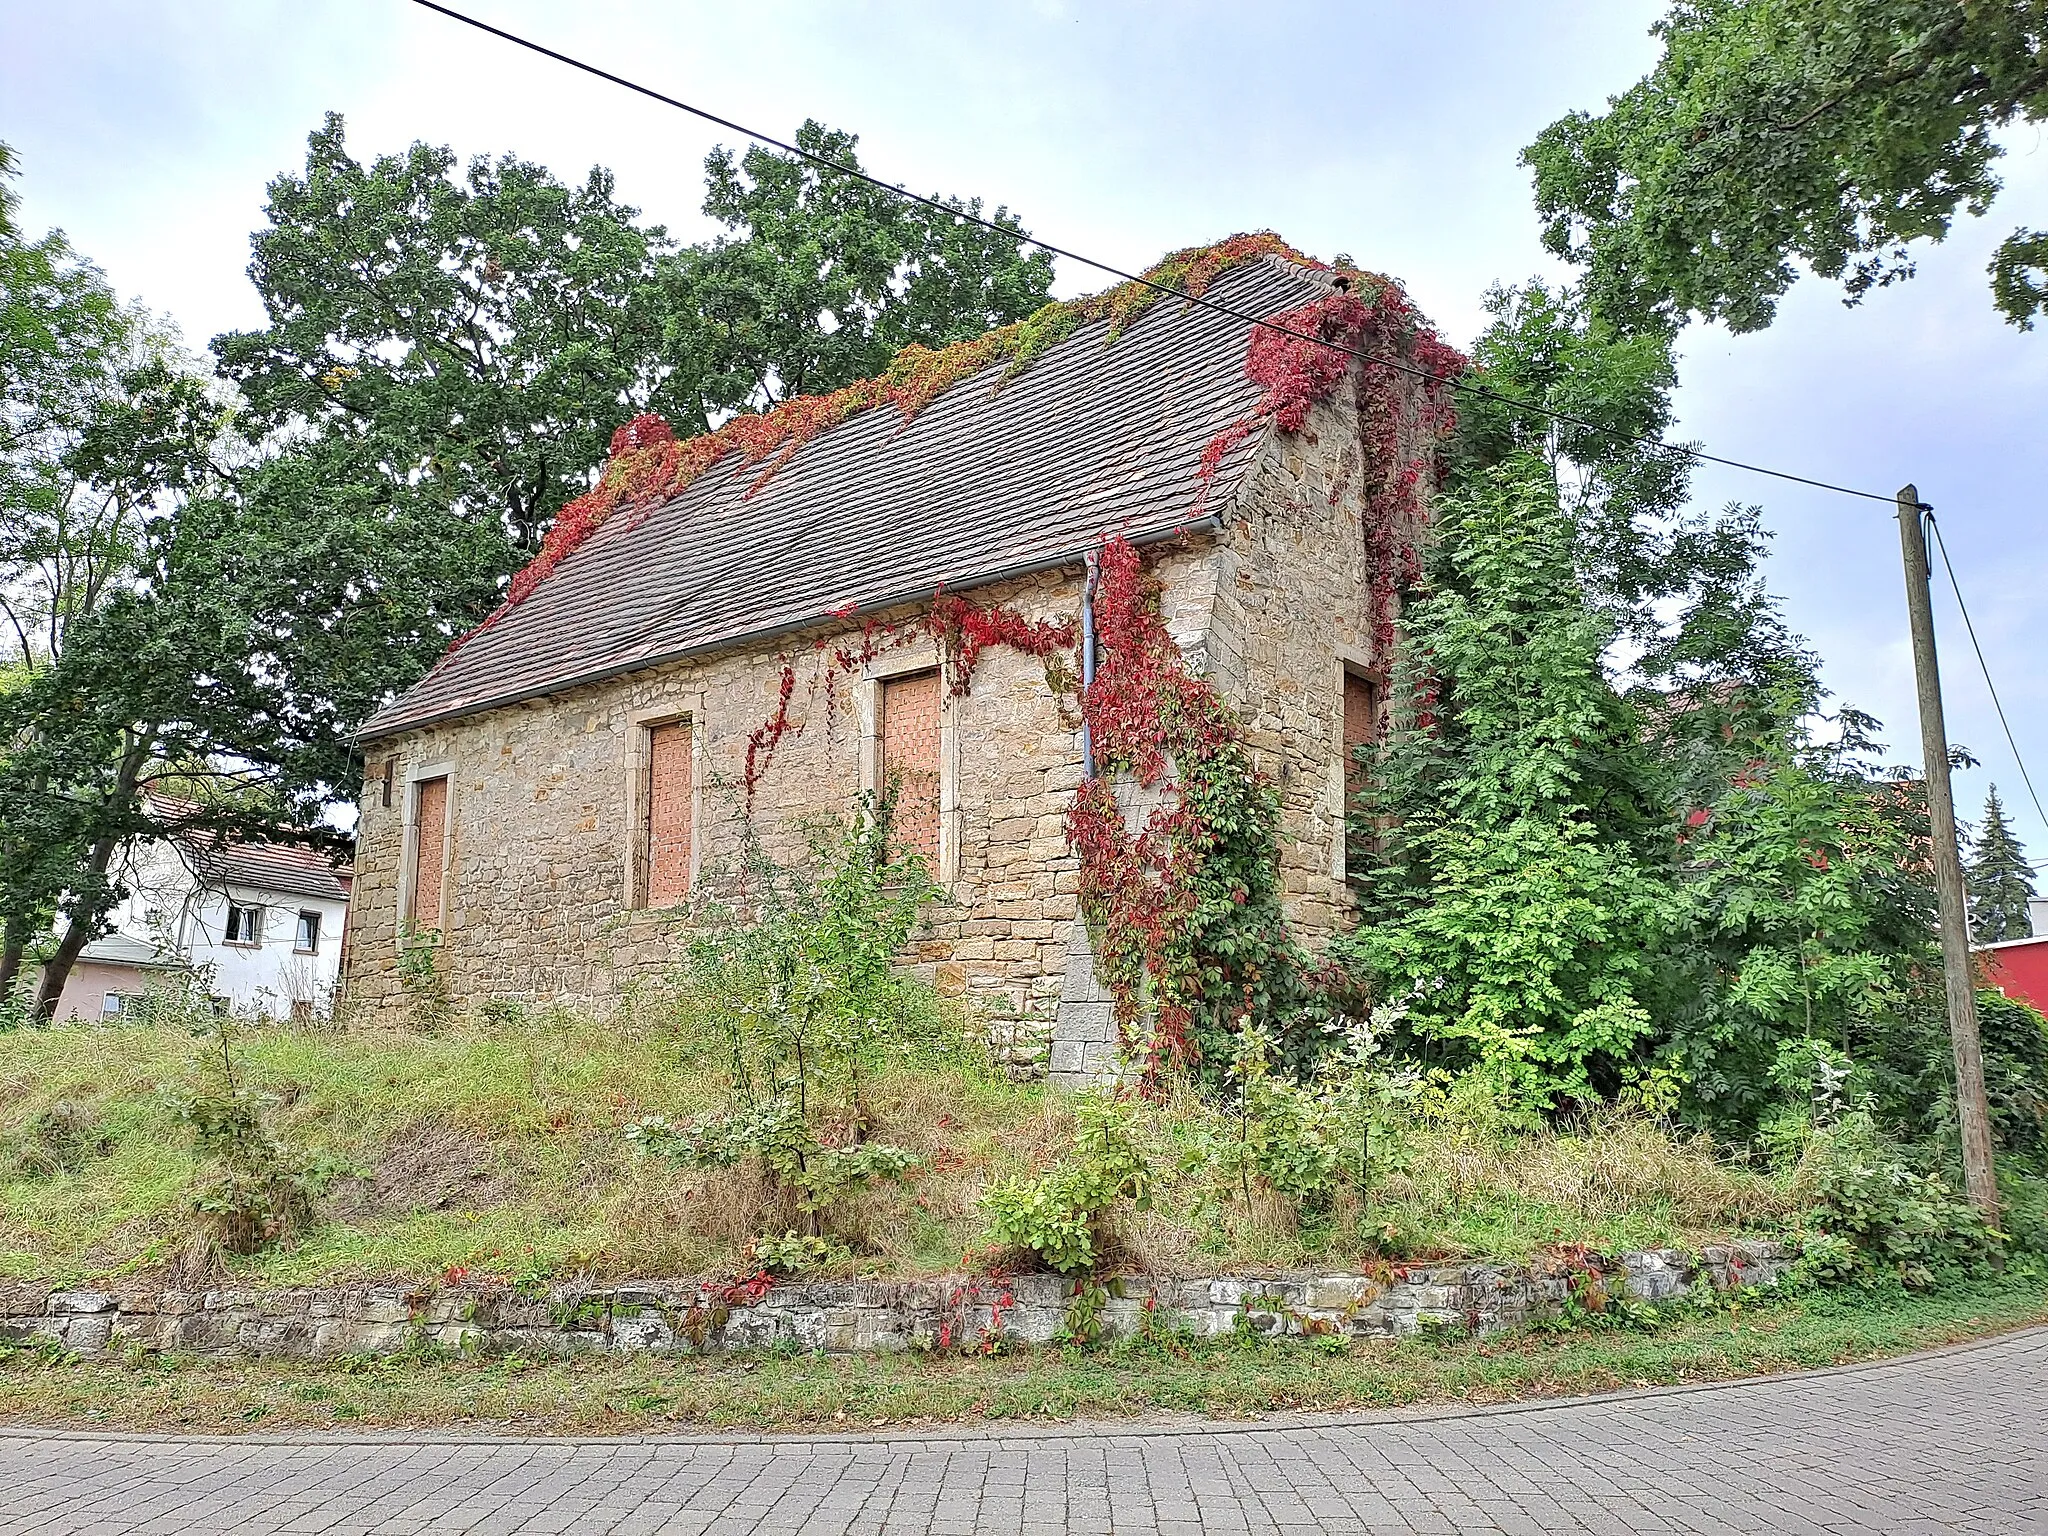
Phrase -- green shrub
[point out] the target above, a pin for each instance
(1059, 1215)
(794, 1252)
(2016, 1075)
(261, 1190)
(776, 1133)
(1874, 1214)
(1282, 1135)
(800, 994)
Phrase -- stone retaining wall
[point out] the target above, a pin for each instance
(837, 1316)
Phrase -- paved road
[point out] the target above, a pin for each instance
(1949, 1442)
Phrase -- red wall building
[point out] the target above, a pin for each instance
(2018, 968)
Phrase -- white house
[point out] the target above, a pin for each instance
(263, 921)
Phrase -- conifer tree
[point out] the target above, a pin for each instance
(1999, 880)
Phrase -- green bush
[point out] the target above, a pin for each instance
(794, 1252)
(1279, 1134)
(2016, 1075)
(1059, 1215)
(261, 1191)
(1874, 1214)
(800, 993)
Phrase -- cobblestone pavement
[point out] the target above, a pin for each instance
(1947, 1442)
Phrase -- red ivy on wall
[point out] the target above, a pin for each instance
(1371, 315)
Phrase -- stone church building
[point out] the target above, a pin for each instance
(548, 794)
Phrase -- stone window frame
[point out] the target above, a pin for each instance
(640, 726)
(921, 657)
(408, 856)
(1350, 662)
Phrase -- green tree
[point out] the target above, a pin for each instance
(823, 278)
(1517, 900)
(1606, 823)
(64, 344)
(1836, 133)
(66, 543)
(167, 679)
(1999, 881)
(1801, 914)
(469, 339)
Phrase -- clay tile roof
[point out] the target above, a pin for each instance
(279, 867)
(1089, 441)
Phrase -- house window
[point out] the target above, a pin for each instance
(910, 758)
(666, 796)
(429, 850)
(112, 1005)
(1361, 729)
(306, 938)
(245, 925)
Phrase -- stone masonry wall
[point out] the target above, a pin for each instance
(836, 1316)
(1292, 613)
(543, 796)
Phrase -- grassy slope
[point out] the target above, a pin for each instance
(499, 1147)
(1230, 1377)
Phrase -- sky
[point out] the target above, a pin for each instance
(147, 130)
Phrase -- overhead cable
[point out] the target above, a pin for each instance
(1462, 386)
(1984, 667)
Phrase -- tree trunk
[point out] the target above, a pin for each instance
(13, 945)
(79, 930)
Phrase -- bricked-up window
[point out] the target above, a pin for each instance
(429, 848)
(1361, 728)
(665, 874)
(910, 754)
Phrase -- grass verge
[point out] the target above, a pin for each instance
(498, 1147)
(1230, 1377)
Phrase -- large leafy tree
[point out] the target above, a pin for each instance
(64, 343)
(1999, 880)
(471, 337)
(822, 278)
(1837, 133)
(105, 709)
(1516, 899)
(1611, 849)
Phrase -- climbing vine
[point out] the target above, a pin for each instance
(1304, 356)
(1185, 907)
(649, 465)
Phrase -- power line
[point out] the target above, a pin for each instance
(1982, 666)
(1463, 386)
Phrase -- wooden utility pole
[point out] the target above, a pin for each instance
(1972, 1108)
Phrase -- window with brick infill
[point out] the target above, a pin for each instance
(666, 797)
(909, 733)
(1361, 729)
(429, 850)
